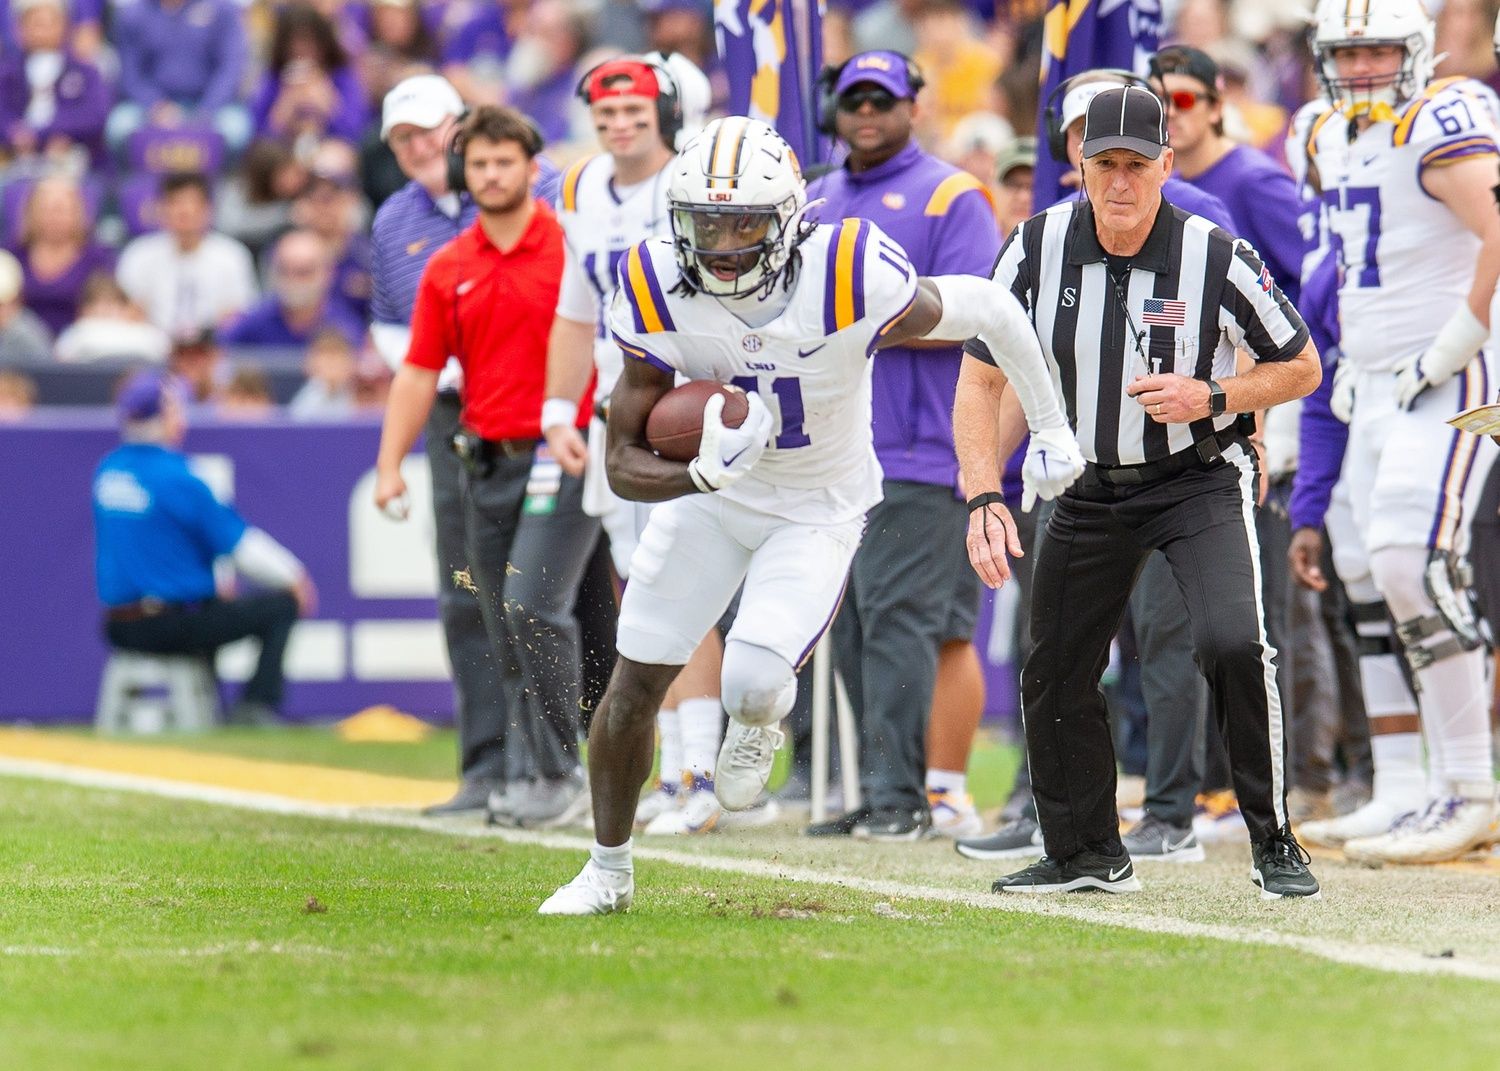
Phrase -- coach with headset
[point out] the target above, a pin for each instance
(487, 298)
(909, 613)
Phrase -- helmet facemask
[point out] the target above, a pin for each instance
(731, 250)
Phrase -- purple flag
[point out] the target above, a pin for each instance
(1079, 36)
(772, 51)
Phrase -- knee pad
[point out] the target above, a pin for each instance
(759, 686)
(1430, 601)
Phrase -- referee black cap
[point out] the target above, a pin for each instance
(1128, 117)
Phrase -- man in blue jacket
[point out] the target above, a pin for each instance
(159, 531)
(911, 591)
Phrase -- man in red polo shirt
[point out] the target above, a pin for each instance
(488, 299)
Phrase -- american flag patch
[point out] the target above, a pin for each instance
(1159, 312)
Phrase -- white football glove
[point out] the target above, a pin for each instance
(1450, 353)
(1053, 462)
(1341, 399)
(725, 454)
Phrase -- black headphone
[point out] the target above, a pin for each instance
(668, 96)
(828, 77)
(1057, 137)
(455, 151)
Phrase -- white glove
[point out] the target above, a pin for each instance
(1341, 400)
(726, 454)
(1053, 462)
(1450, 353)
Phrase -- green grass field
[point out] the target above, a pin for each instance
(138, 932)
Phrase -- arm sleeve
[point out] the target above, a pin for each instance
(229, 62)
(135, 84)
(890, 281)
(1322, 440)
(1012, 271)
(966, 239)
(1276, 230)
(576, 299)
(639, 320)
(266, 561)
(383, 305)
(431, 321)
(1254, 311)
(216, 526)
(1455, 125)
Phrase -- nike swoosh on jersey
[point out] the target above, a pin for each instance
(413, 248)
(809, 353)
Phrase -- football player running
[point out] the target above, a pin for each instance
(1406, 166)
(643, 108)
(748, 292)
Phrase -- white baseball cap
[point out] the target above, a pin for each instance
(1075, 103)
(423, 100)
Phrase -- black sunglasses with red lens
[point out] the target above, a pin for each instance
(1186, 100)
(882, 100)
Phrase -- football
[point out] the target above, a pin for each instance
(675, 425)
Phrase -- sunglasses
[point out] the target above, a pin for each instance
(1186, 100)
(882, 100)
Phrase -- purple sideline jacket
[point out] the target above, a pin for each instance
(1263, 198)
(193, 55)
(943, 219)
(83, 103)
(1323, 436)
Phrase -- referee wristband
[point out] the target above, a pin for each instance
(557, 411)
(989, 498)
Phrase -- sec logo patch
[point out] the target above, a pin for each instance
(752, 343)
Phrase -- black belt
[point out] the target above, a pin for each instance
(146, 608)
(1206, 451)
(473, 448)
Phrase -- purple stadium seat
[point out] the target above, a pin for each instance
(159, 150)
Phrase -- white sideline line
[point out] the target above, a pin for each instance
(1373, 957)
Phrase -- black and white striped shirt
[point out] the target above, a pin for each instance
(1193, 293)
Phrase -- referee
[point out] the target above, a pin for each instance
(1139, 307)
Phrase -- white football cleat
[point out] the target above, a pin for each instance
(744, 764)
(1374, 819)
(953, 814)
(1451, 827)
(661, 799)
(595, 891)
(1368, 849)
(699, 812)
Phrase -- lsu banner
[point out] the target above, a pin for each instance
(1082, 35)
(772, 51)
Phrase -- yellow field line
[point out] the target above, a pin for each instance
(311, 784)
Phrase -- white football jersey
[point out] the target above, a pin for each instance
(810, 365)
(1406, 261)
(600, 222)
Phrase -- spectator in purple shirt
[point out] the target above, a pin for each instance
(181, 62)
(301, 302)
(330, 206)
(475, 53)
(310, 89)
(541, 75)
(57, 254)
(400, 43)
(52, 103)
(912, 599)
(1260, 194)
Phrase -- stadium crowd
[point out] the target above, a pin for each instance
(191, 184)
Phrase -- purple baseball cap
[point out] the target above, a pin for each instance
(144, 394)
(888, 70)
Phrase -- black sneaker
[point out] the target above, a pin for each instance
(1278, 865)
(839, 827)
(1083, 870)
(1153, 838)
(894, 823)
(1016, 839)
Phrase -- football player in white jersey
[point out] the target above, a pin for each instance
(747, 292)
(1406, 166)
(643, 108)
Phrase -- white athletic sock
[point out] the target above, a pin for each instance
(669, 727)
(702, 733)
(1399, 778)
(1455, 702)
(616, 860)
(1432, 740)
(953, 782)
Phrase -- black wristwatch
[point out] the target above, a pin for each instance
(1216, 399)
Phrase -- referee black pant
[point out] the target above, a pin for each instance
(1094, 547)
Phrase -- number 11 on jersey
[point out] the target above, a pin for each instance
(788, 391)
